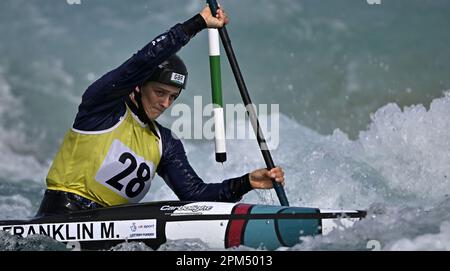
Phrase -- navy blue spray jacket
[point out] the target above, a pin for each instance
(104, 102)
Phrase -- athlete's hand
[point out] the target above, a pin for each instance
(219, 21)
(262, 178)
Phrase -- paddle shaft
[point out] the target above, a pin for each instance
(216, 89)
(248, 104)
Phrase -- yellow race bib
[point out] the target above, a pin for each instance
(110, 167)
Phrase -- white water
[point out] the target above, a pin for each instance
(395, 169)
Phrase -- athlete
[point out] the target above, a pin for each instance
(115, 146)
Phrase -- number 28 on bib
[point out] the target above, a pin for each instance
(126, 173)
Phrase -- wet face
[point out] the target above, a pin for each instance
(157, 97)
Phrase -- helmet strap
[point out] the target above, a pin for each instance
(140, 108)
(141, 112)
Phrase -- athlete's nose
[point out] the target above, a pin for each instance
(166, 101)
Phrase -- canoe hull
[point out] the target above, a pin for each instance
(218, 224)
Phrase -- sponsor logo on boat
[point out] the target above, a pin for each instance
(188, 208)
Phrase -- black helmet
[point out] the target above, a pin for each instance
(172, 72)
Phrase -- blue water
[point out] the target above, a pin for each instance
(362, 94)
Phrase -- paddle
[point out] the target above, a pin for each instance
(248, 104)
(216, 89)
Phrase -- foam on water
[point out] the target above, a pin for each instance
(22, 175)
(409, 148)
(401, 158)
(381, 171)
(32, 243)
(390, 228)
(17, 161)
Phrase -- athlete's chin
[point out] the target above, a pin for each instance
(155, 114)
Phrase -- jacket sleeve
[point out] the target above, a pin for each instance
(178, 174)
(103, 102)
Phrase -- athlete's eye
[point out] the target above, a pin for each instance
(159, 93)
